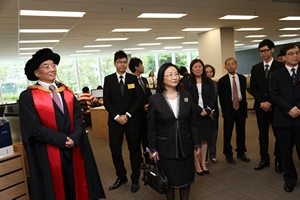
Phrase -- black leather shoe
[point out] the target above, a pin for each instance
(278, 167)
(243, 158)
(204, 171)
(262, 164)
(230, 160)
(135, 186)
(118, 183)
(288, 187)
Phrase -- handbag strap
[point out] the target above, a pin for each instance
(156, 165)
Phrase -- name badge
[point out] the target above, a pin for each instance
(147, 85)
(130, 86)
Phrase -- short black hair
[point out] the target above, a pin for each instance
(85, 89)
(134, 62)
(160, 77)
(182, 70)
(120, 54)
(287, 47)
(266, 42)
(212, 68)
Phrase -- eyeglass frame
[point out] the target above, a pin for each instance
(264, 51)
(293, 53)
(48, 66)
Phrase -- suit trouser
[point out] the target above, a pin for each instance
(68, 176)
(237, 117)
(116, 136)
(144, 139)
(213, 139)
(264, 119)
(288, 138)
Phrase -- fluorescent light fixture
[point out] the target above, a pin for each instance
(44, 30)
(290, 29)
(248, 29)
(83, 51)
(256, 40)
(84, 54)
(97, 46)
(131, 29)
(133, 49)
(239, 17)
(255, 36)
(236, 41)
(157, 51)
(161, 15)
(189, 49)
(173, 47)
(189, 43)
(25, 57)
(289, 35)
(22, 54)
(238, 45)
(148, 44)
(197, 29)
(46, 13)
(291, 18)
(169, 38)
(33, 48)
(38, 41)
(111, 39)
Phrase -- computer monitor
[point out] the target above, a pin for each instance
(98, 93)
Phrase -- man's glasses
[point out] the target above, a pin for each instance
(293, 53)
(121, 62)
(48, 66)
(264, 51)
(171, 75)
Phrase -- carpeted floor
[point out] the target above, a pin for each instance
(225, 181)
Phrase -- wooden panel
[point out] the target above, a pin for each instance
(25, 197)
(99, 117)
(13, 192)
(11, 179)
(13, 164)
(20, 149)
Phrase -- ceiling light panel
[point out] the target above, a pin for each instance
(122, 30)
(239, 17)
(161, 15)
(149, 44)
(197, 29)
(291, 18)
(255, 36)
(38, 41)
(290, 29)
(46, 13)
(44, 30)
(248, 29)
(111, 39)
(169, 38)
(289, 35)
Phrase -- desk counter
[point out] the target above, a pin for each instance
(99, 117)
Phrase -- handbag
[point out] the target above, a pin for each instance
(155, 177)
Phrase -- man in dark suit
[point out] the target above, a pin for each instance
(285, 94)
(137, 68)
(264, 109)
(122, 99)
(232, 96)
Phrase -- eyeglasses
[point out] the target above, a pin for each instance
(171, 75)
(293, 53)
(121, 62)
(264, 51)
(48, 66)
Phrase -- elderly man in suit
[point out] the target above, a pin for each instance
(285, 93)
(122, 99)
(263, 106)
(232, 96)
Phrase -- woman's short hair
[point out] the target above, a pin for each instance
(160, 77)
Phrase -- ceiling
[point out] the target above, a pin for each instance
(102, 16)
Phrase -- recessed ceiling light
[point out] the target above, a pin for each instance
(256, 40)
(168, 38)
(157, 51)
(44, 30)
(148, 44)
(46, 13)
(237, 45)
(161, 15)
(189, 43)
(38, 41)
(249, 29)
(22, 54)
(239, 17)
(33, 48)
(84, 54)
(236, 41)
(290, 29)
(111, 39)
(173, 47)
(289, 35)
(131, 29)
(255, 36)
(291, 18)
(133, 49)
(189, 49)
(83, 51)
(197, 29)
(97, 46)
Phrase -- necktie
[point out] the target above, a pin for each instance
(141, 84)
(293, 75)
(56, 98)
(235, 97)
(121, 85)
(266, 71)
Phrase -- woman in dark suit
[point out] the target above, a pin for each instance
(172, 131)
(202, 89)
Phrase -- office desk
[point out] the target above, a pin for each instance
(99, 122)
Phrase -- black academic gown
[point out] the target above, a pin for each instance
(35, 136)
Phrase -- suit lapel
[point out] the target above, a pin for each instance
(286, 76)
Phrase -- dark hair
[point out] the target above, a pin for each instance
(85, 89)
(160, 77)
(182, 70)
(192, 75)
(266, 42)
(212, 68)
(134, 62)
(150, 73)
(99, 87)
(119, 54)
(287, 47)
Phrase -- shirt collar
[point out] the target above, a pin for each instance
(269, 63)
(46, 85)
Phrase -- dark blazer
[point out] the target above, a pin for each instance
(259, 85)
(115, 103)
(225, 94)
(208, 94)
(147, 93)
(285, 94)
(164, 129)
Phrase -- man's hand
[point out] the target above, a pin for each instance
(266, 106)
(294, 112)
(69, 143)
(122, 119)
(146, 107)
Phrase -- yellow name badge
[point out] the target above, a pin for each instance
(130, 86)
(147, 85)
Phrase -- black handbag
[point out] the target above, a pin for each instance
(155, 177)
